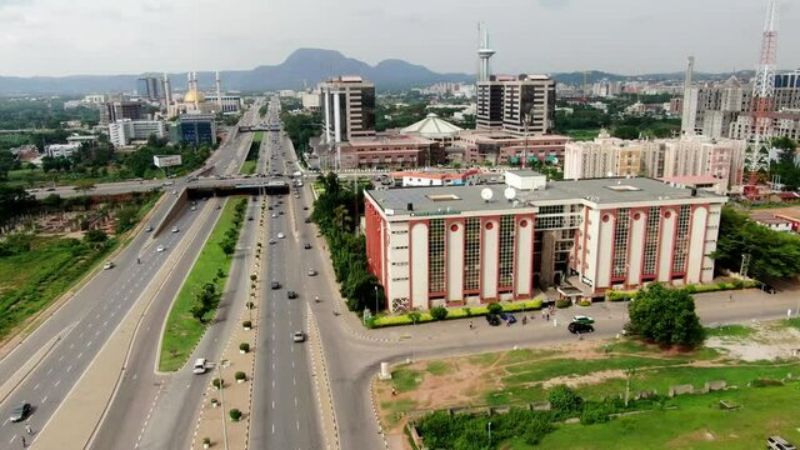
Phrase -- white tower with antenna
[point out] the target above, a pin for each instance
(219, 91)
(689, 115)
(484, 53)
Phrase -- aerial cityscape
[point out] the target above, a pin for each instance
(581, 232)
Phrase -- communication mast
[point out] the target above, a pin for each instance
(763, 95)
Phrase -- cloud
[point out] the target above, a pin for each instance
(554, 4)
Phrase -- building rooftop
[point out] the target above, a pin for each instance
(602, 191)
(386, 139)
(432, 127)
(499, 135)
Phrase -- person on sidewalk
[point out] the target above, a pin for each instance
(28, 429)
(24, 442)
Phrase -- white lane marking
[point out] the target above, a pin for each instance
(56, 383)
(292, 364)
(298, 425)
(273, 428)
(294, 381)
(273, 404)
(88, 344)
(80, 354)
(50, 371)
(36, 387)
(273, 384)
(69, 368)
(44, 399)
(295, 402)
(61, 358)
(12, 439)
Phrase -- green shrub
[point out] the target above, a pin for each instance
(247, 324)
(585, 302)
(564, 402)
(240, 376)
(765, 382)
(467, 312)
(563, 303)
(218, 383)
(235, 414)
(494, 308)
(596, 413)
(244, 346)
(439, 313)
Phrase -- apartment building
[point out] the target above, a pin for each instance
(607, 156)
(518, 105)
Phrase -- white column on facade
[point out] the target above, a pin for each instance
(667, 242)
(524, 269)
(635, 246)
(455, 262)
(605, 251)
(712, 234)
(697, 243)
(420, 267)
(327, 116)
(337, 119)
(490, 243)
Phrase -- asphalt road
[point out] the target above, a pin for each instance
(150, 409)
(284, 410)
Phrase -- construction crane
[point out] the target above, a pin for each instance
(762, 103)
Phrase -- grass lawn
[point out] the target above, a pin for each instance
(249, 167)
(183, 332)
(583, 135)
(406, 379)
(697, 423)
(251, 162)
(730, 331)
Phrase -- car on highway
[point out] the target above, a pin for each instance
(20, 412)
(307, 246)
(200, 366)
(308, 219)
(291, 294)
(194, 208)
(281, 235)
(298, 337)
(108, 265)
(312, 272)
(779, 443)
(149, 228)
(250, 218)
(580, 327)
(272, 241)
(275, 285)
(174, 192)
(175, 229)
(160, 248)
(280, 213)
(305, 208)
(274, 215)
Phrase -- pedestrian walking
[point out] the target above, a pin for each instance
(547, 317)
(138, 260)
(28, 429)
(24, 442)
(524, 320)
(470, 325)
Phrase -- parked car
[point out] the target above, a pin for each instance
(298, 336)
(511, 319)
(272, 241)
(200, 366)
(291, 294)
(308, 219)
(769, 289)
(149, 228)
(20, 412)
(580, 328)
(493, 319)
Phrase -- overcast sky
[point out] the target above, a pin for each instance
(59, 37)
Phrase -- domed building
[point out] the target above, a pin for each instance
(193, 101)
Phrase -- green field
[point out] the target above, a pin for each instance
(582, 135)
(183, 331)
(251, 162)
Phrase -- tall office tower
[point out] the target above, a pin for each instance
(484, 54)
(149, 88)
(521, 105)
(349, 103)
(167, 90)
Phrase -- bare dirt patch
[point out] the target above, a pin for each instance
(574, 381)
(770, 342)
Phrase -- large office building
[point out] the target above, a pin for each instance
(225, 103)
(519, 105)
(348, 104)
(501, 147)
(691, 156)
(195, 129)
(113, 111)
(472, 245)
(123, 132)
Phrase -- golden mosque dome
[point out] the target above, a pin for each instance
(193, 96)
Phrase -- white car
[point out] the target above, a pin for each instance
(200, 366)
(108, 265)
(175, 229)
(160, 248)
(281, 235)
(274, 215)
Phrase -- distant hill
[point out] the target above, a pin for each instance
(304, 67)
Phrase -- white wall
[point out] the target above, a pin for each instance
(419, 269)
(397, 261)
(636, 246)
(696, 245)
(455, 262)
(524, 257)
(603, 257)
(667, 242)
(592, 230)
(490, 244)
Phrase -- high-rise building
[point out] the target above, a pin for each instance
(149, 88)
(195, 129)
(349, 107)
(484, 54)
(520, 105)
(122, 132)
(607, 156)
(113, 111)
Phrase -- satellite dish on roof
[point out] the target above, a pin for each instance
(510, 193)
(487, 194)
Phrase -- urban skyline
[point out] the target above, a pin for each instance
(600, 37)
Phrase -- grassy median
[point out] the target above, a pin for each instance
(184, 329)
(251, 162)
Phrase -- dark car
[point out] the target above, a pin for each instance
(580, 328)
(250, 218)
(275, 285)
(511, 319)
(291, 294)
(269, 207)
(503, 315)
(769, 289)
(305, 208)
(493, 319)
(308, 219)
(307, 246)
(20, 413)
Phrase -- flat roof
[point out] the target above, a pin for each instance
(601, 191)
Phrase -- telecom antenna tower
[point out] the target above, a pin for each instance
(763, 95)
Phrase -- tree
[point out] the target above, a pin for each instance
(439, 313)
(95, 236)
(564, 402)
(666, 317)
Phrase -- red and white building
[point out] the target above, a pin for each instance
(426, 179)
(451, 246)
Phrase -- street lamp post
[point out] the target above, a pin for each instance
(490, 434)
(376, 300)
(222, 403)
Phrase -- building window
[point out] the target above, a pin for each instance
(651, 242)
(472, 253)
(506, 263)
(621, 244)
(682, 240)
(400, 279)
(400, 232)
(436, 260)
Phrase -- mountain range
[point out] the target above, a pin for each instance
(305, 67)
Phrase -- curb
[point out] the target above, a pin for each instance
(373, 403)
